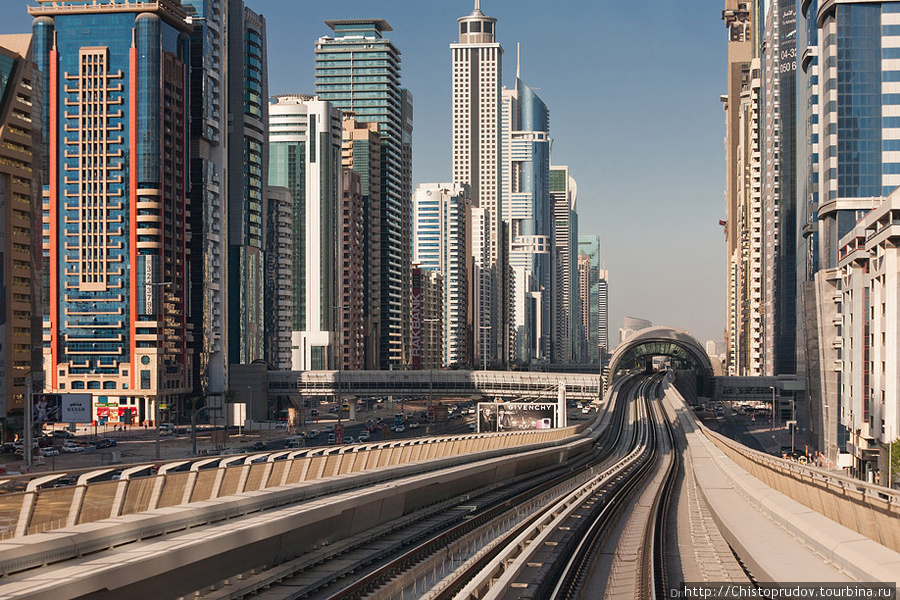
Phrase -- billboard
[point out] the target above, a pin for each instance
(61, 408)
(516, 416)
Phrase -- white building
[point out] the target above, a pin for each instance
(310, 168)
(440, 214)
(477, 72)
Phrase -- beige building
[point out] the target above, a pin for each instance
(20, 230)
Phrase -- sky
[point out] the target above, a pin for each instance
(633, 92)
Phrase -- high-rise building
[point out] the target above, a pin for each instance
(525, 178)
(858, 113)
(358, 70)
(21, 264)
(779, 151)
(352, 326)
(743, 191)
(565, 304)
(440, 243)
(592, 282)
(475, 123)
(208, 245)
(246, 181)
(115, 77)
(279, 293)
(362, 153)
(603, 349)
(305, 157)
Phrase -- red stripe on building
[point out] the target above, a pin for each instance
(132, 208)
(54, 219)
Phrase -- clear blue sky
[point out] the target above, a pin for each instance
(633, 91)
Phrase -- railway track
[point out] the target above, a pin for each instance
(537, 537)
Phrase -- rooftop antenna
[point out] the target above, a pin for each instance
(477, 4)
(518, 55)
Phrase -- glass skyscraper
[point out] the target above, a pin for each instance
(115, 202)
(358, 70)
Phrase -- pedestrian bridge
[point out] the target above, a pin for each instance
(509, 385)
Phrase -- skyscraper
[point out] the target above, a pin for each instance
(352, 264)
(595, 323)
(305, 157)
(358, 70)
(21, 266)
(279, 276)
(115, 77)
(475, 122)
(247, 159)
(208, 245)
(565, 301)
(525, 177)
(361, 152)
(440, 223)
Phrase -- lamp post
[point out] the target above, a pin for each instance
(160, 358)
(244, 411)
(772, 387)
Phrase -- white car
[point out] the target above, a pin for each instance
(413, 425)
(49, 452)
(364, 437)
(72, 448)
(586, 410)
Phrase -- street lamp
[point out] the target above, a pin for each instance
(772, 387)
(160, 356)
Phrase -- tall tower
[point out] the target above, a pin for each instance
(358, 70)
(247, 160)
(21, 267)
(208, 245)
(305, 147)
(476, 88)
(115, 76)
(440, 215)
(565, 303)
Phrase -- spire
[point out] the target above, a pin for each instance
(477, 4)
(518, 56)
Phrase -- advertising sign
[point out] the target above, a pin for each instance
(415, 319)
(76, 408)
(45, 408)
(516, 416)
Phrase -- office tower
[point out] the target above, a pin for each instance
(426, 322)
(115, 77)
(525, 177)
(809, 366)
(358, 70)
(208, 246)
(779, 151)
(352, 261)
(564, 301)
(475, 121)
(440, 243)
(595, 325)
(859, 141)
(21, 266)
(361, 152)
(279, 292)
(246, 181)
(631, 325)
(603, 316)
(743, 191)
(305, 158)
(479, 283)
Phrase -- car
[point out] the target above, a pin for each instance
(586, 410)
(49, 452)
(63, 433)
(281, 425)
(413, 425)
(260, 445)
(399, 428)
(473, 426)
(104, 443)
(331, 438)
(348, 439)
(72, 448)
(364, 437)
(312, 434)
(329, 429)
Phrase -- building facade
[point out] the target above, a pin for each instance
(352, 272)
(477, 69)
(440, 243)
(565, 302)
(116, 208)
(246, 180)
(208, 245)
(361, 152)
(358, 70)
(21, 263)
(525, 177)
(305, 157)
(279, 292)
(592, 283)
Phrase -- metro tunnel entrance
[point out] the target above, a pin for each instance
(658, 347)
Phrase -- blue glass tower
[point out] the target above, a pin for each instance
(115, 207)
